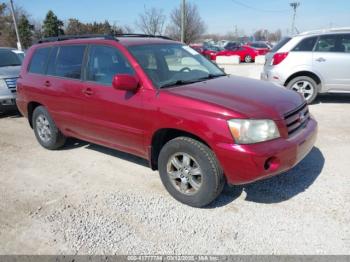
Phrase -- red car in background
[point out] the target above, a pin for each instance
(246, 53)
(262, 47)
(207, 51)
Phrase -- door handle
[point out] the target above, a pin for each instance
(88, 91)
(321, 59)
(47, 83)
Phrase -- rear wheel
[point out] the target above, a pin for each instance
(190, 172)
(306, 86)
(248, 59)
(45, 130)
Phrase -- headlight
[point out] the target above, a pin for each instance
(3, 84)
(247, 131)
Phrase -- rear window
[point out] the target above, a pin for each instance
(39, 59)
(281, 43)
(67, 61)
(306, 44)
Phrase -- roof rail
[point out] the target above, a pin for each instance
(143, 35)
(69, 37)
(103, 36)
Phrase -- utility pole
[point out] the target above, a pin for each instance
(183, 20)
(19, 46)
(294, 5)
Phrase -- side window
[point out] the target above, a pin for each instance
(306, 44)
(328, 43)
(67, 61)
(345, 41)
(104, 63)
(39, 59)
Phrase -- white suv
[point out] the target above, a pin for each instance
(311, 63)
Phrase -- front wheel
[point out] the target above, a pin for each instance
(45, 130)
(190, 172)
(306, 86)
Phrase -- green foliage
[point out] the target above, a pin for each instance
(25, 30)
(75, 27)
(52, 26)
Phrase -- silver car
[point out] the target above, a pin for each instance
(10, 65)
(311, 63)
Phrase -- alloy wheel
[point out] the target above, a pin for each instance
(43, 128)
(185, 173)
(305, 88)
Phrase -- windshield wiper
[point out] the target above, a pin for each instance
(186, 82)
(10, 65)
(177, 83)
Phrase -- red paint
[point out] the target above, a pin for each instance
(241, 51)
(127, 120)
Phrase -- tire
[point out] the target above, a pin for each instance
(45, 129)
(248, 59)
(306, 86)
(200, 190)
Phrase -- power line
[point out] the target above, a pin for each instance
(258, 9)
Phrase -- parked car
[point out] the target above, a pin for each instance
(210, 52)
(246, 53)
(162, 101)
(311, 63)
(262, 47)
(10, 64)
(231, 45)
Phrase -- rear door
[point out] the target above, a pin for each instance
(63, 87)
(331, 59)
(114, 117)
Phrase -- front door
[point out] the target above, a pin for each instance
(114, 116)
(331, 60)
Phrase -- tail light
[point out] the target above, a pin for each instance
(278, 58)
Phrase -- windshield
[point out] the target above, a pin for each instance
(281, 43)
(174, 64)
(8, 58)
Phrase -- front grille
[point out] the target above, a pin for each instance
(11, 84)
(297, 119)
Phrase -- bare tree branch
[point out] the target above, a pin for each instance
(151, 21)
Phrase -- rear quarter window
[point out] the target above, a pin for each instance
(306, 44)
(39, 59)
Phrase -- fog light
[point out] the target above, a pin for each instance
(271, 164)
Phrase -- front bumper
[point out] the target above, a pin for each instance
(244, 164)
(7, 102)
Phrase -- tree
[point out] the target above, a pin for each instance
(25, 30)
(194, 25)
(151, 21)
(52, 26)
(75, 27)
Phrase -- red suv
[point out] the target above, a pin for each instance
(162, 101)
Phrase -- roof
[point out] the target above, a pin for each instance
(125, 39)
(326, 31)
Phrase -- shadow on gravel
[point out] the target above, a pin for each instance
(332, 98)
(119, 154)
(279, 188)
(10, 114)
(73, 143)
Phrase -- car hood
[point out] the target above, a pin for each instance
(247, 97)
(9, 71)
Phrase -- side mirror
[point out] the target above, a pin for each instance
(125, 82)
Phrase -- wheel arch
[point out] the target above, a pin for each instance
(161, 137)
(30, 109)
(310, 74)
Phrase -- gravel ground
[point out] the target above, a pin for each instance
(86, 199)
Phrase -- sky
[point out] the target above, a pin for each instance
(220, 16)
